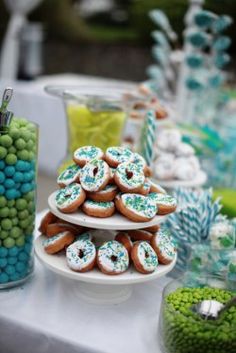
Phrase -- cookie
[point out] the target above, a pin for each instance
(98, 209)
(129, 177)
(46, 220)
(95, 175)
(124, 238)
(163, 247)
(81, 255)
(116, 155)
(137, 208)
(58, 242)
(165, 203)
(70, 198)
(85, 154)
(105, 195)
(144, 257)
(69, 175)
(140, 234)
(112, 258)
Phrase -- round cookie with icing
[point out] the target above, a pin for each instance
(112, 258)
(98, 209)
(163, 247)
(137, 208)
(124, 238)
(165, 203)
(58, 242)
(69, 175)
(105, 195)
(144, 257)
(95, 175)
(46, 220)
(129, 177)
(140, 234)
(85, 154)
(81, 255)
(70, 198)
(116, 155)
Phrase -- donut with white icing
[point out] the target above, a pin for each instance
(62, 226)
(168, 139)
(81, 255)
(69, 175)
(184, 150)
(45, 221)
(85, 154)
(140, 234)
(58, 242)
(165, 203)
(84, 236)
(129, 177)
(124, 238)
(70, 198)
(164, 248)
(144, 257)
(105, 195)
(112, 258)
(139, 160)
(95, 175)
(137, 208)
(116, 155)
(98, 209)
(183, 169)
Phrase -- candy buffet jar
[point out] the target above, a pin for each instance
(182, 331)
(95, 116)
(18, 170)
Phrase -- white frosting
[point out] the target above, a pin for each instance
(113, 257)
(165, 247)
(94, 174)
(66, 196)
(69, 175)
(80, 254)
(101, 206)
(107, 189)
(87, 153)
(147, 256)
(54, 239)
(140, 205)
(184, 150)
(137, 178)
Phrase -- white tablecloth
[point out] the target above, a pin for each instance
(30, 101)
(46, 316)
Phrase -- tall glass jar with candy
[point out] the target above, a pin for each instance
(18, 170)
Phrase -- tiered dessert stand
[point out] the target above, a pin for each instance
(94, 286)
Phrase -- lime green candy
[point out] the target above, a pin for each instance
(8, 242)
(3, 201)
(186, 332)
(20, 144)
(3, 152)
(6, 224)
(21, 204)
(6, 140)
(11, 159)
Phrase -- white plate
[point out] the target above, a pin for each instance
(116, 222)
(57, 263)
(200, 180)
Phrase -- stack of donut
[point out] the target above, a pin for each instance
(144, 248)
(101, 183)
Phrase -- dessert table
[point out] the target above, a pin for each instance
(46, 316)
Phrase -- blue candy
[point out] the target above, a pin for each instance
(28, 248)
(18, 177)
(2, 177)
(4, 278)
(26, 187)
(9, 183)
(9, 171)
(20, 166)
(2, 164)
(3, 252)
(20, 266)
(3, 262)
(13, 251)
(12, 260)
(11, 194)
(15, 277)
(10, 270)
(27, 166)
(23, 257)
(2, 190)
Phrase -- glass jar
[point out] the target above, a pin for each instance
(182, 331)
(18, 172)
(95, 116)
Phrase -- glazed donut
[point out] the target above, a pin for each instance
(165, 203)
(163, 247)
(98, 209)
(81, 255)
(58, 242)
(62, 226)
(144, 257)
(129, 177)
(95, 175)
(70, 198)
(46, 220)
(140, 234)
(116, 155)
(112, 258)
(86, 153)
(69, 175)
(105, 195)
(137, 208)
(124, 239)
(146, 188)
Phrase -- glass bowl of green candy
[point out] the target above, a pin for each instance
(183, 331)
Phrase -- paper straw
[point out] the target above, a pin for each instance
(148, 137)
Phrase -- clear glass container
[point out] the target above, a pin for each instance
(182, 331)
(18, 176)
(95, 116)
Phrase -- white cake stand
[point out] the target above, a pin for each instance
(198, 181)
(94, 286)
